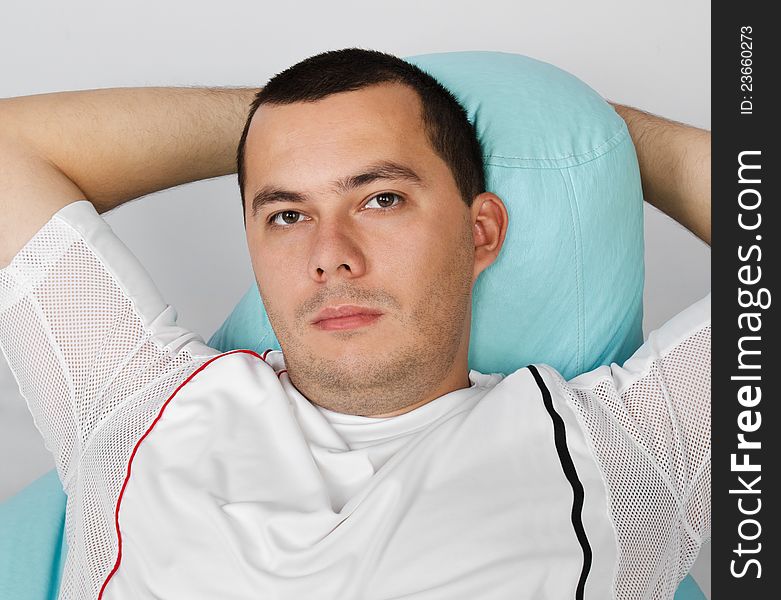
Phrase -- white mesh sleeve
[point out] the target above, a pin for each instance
(84, 328)
(648, 424)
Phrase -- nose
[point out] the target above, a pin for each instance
(336, 252)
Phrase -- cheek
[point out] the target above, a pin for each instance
(431, 260)
(404, 254)
(276, 283)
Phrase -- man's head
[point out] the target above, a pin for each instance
(362, 185)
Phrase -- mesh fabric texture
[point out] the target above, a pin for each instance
(652, 442)
(93, 376)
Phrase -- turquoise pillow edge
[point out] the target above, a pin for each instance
(688, 589)
(33, 548)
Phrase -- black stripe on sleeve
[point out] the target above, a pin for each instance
(560, 438)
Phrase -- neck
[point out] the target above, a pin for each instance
(459, 381)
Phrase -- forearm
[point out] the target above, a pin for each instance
(675, 168)
(121, 143)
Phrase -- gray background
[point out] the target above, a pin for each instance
(655, 56)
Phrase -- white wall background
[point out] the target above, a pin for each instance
(655, 56)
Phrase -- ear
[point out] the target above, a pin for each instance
(490, 220)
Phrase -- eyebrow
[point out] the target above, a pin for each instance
(384, 169)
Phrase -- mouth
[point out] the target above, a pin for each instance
(345, 316)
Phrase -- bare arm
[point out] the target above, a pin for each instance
(675, 167)
(109, 146)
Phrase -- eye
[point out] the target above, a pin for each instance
(386, 200)
(284, 218)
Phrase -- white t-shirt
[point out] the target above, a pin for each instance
(196, 474)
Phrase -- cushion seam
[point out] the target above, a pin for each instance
(590, 155)
(576, 233)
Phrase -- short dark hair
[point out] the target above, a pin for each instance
(445, 121)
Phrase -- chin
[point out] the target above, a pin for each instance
(346, 349)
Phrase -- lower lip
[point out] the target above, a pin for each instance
(350, 322)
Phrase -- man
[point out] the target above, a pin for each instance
(365, 460)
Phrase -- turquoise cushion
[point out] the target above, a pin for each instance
(32, 541)
(567, 287)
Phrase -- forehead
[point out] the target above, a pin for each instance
(336, 134)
